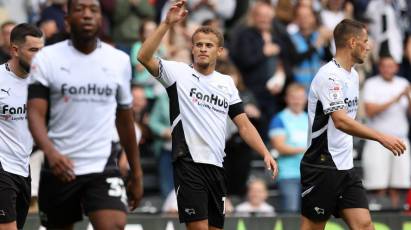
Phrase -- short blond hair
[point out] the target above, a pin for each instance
(209, 30)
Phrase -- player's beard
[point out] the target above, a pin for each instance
(357, 58)
(84, 36)
(24, 65)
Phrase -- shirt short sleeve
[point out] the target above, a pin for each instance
(330, 93)
(39, 70)
(235, 96)
(168, 71)
(124, 97)
(236, 106)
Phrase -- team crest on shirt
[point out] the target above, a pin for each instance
(223, 88)
(334, 88)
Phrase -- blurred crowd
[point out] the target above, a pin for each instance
(273, 51)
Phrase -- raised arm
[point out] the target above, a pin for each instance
(146, 54)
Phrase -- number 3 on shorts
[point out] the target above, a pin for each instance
(116, 187)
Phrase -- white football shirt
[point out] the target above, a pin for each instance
(199, 106)
(333, 88)
(85, 90)
(15, 139)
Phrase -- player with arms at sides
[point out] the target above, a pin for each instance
(329, 183)
(84, 86)
(16, 142)
(200, 101)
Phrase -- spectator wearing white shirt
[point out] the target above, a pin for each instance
(385, 28)
(256, 199)
(387, 101)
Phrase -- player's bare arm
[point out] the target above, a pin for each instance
(126, 132)
(408, 96)
(60, 165)
(350, 126)
(146, 54)
(250, 135)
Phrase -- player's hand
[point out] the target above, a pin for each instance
(394, 144)
(61, 166)
(134, 191)
(176, 13)
(271, 165)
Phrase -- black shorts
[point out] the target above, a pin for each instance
(62, 204)
(326, 192)
(15, 195)
(201, 191)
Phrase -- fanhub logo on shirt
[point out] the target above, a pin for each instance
(213, 99)
(6, 109)
(89, 89)
(351, 103)
(8, 112)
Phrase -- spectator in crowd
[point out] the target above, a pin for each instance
(127, 19)
(202, 10)
(140, 74)
(159, 124)
(139, 104)
(17, 9)
(387, 102)
(49, 28)
(283, 18)
(309, 45)
(385, 29)
(6, 29)
(334, 12)
(288, 134)
(141, 118)
(257, 195)
(35, 9)
(55, 12)
(107, 10)
(255, 51)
